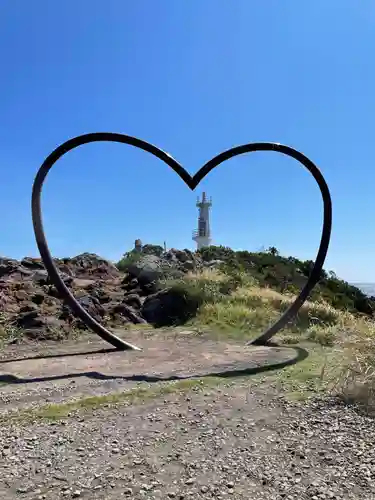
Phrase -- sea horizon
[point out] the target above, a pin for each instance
(367, 288)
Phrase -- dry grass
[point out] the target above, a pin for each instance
(252, 309)
(347, 341)
(8, 331)
(212, 275)
(355, 383)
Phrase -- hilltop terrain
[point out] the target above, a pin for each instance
(155, 287)
(196, 414)
(230, 295)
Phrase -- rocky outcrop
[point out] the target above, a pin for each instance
(171, 264)
(30, 303)
(169, 306)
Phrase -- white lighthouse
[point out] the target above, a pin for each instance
(202, 235)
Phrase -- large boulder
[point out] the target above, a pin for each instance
(127, 314)
(184, 260)
(88, 265)
(171, 306)
(150, 268)
(8, 266)
(32, 263)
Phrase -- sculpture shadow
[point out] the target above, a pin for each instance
(300, 354)
(60, 355)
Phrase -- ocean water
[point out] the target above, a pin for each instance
(367, 288)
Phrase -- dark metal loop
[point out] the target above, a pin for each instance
(192, 183)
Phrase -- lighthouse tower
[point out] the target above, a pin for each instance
(202, 235)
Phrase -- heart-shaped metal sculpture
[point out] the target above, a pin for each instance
(192, 182)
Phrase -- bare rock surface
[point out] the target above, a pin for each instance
(30, 303)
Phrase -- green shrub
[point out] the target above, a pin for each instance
(323, 335)
(176, 303)
(283, 274)
(149, 249)
(128, 258)
(210, 286)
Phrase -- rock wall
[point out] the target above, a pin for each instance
(28, 300)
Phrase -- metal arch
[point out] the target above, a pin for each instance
(192, 182)
(326, 229)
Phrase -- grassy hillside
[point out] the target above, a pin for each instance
(289, 274)
(282, 274)
(250, 291)
(341, 344)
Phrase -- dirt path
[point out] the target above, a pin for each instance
(232, 439)
(74, 369)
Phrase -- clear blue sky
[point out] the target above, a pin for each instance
(193, 77)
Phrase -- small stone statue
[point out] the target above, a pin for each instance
(138, 245)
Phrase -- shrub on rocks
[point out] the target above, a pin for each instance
(172, 306)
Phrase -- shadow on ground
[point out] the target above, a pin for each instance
(54, 356)
(300, 354)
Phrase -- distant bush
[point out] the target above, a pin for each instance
(127, 259)
(209, 285)
(289, 274)
(149, 249)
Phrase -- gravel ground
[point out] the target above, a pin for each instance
(237, 441)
